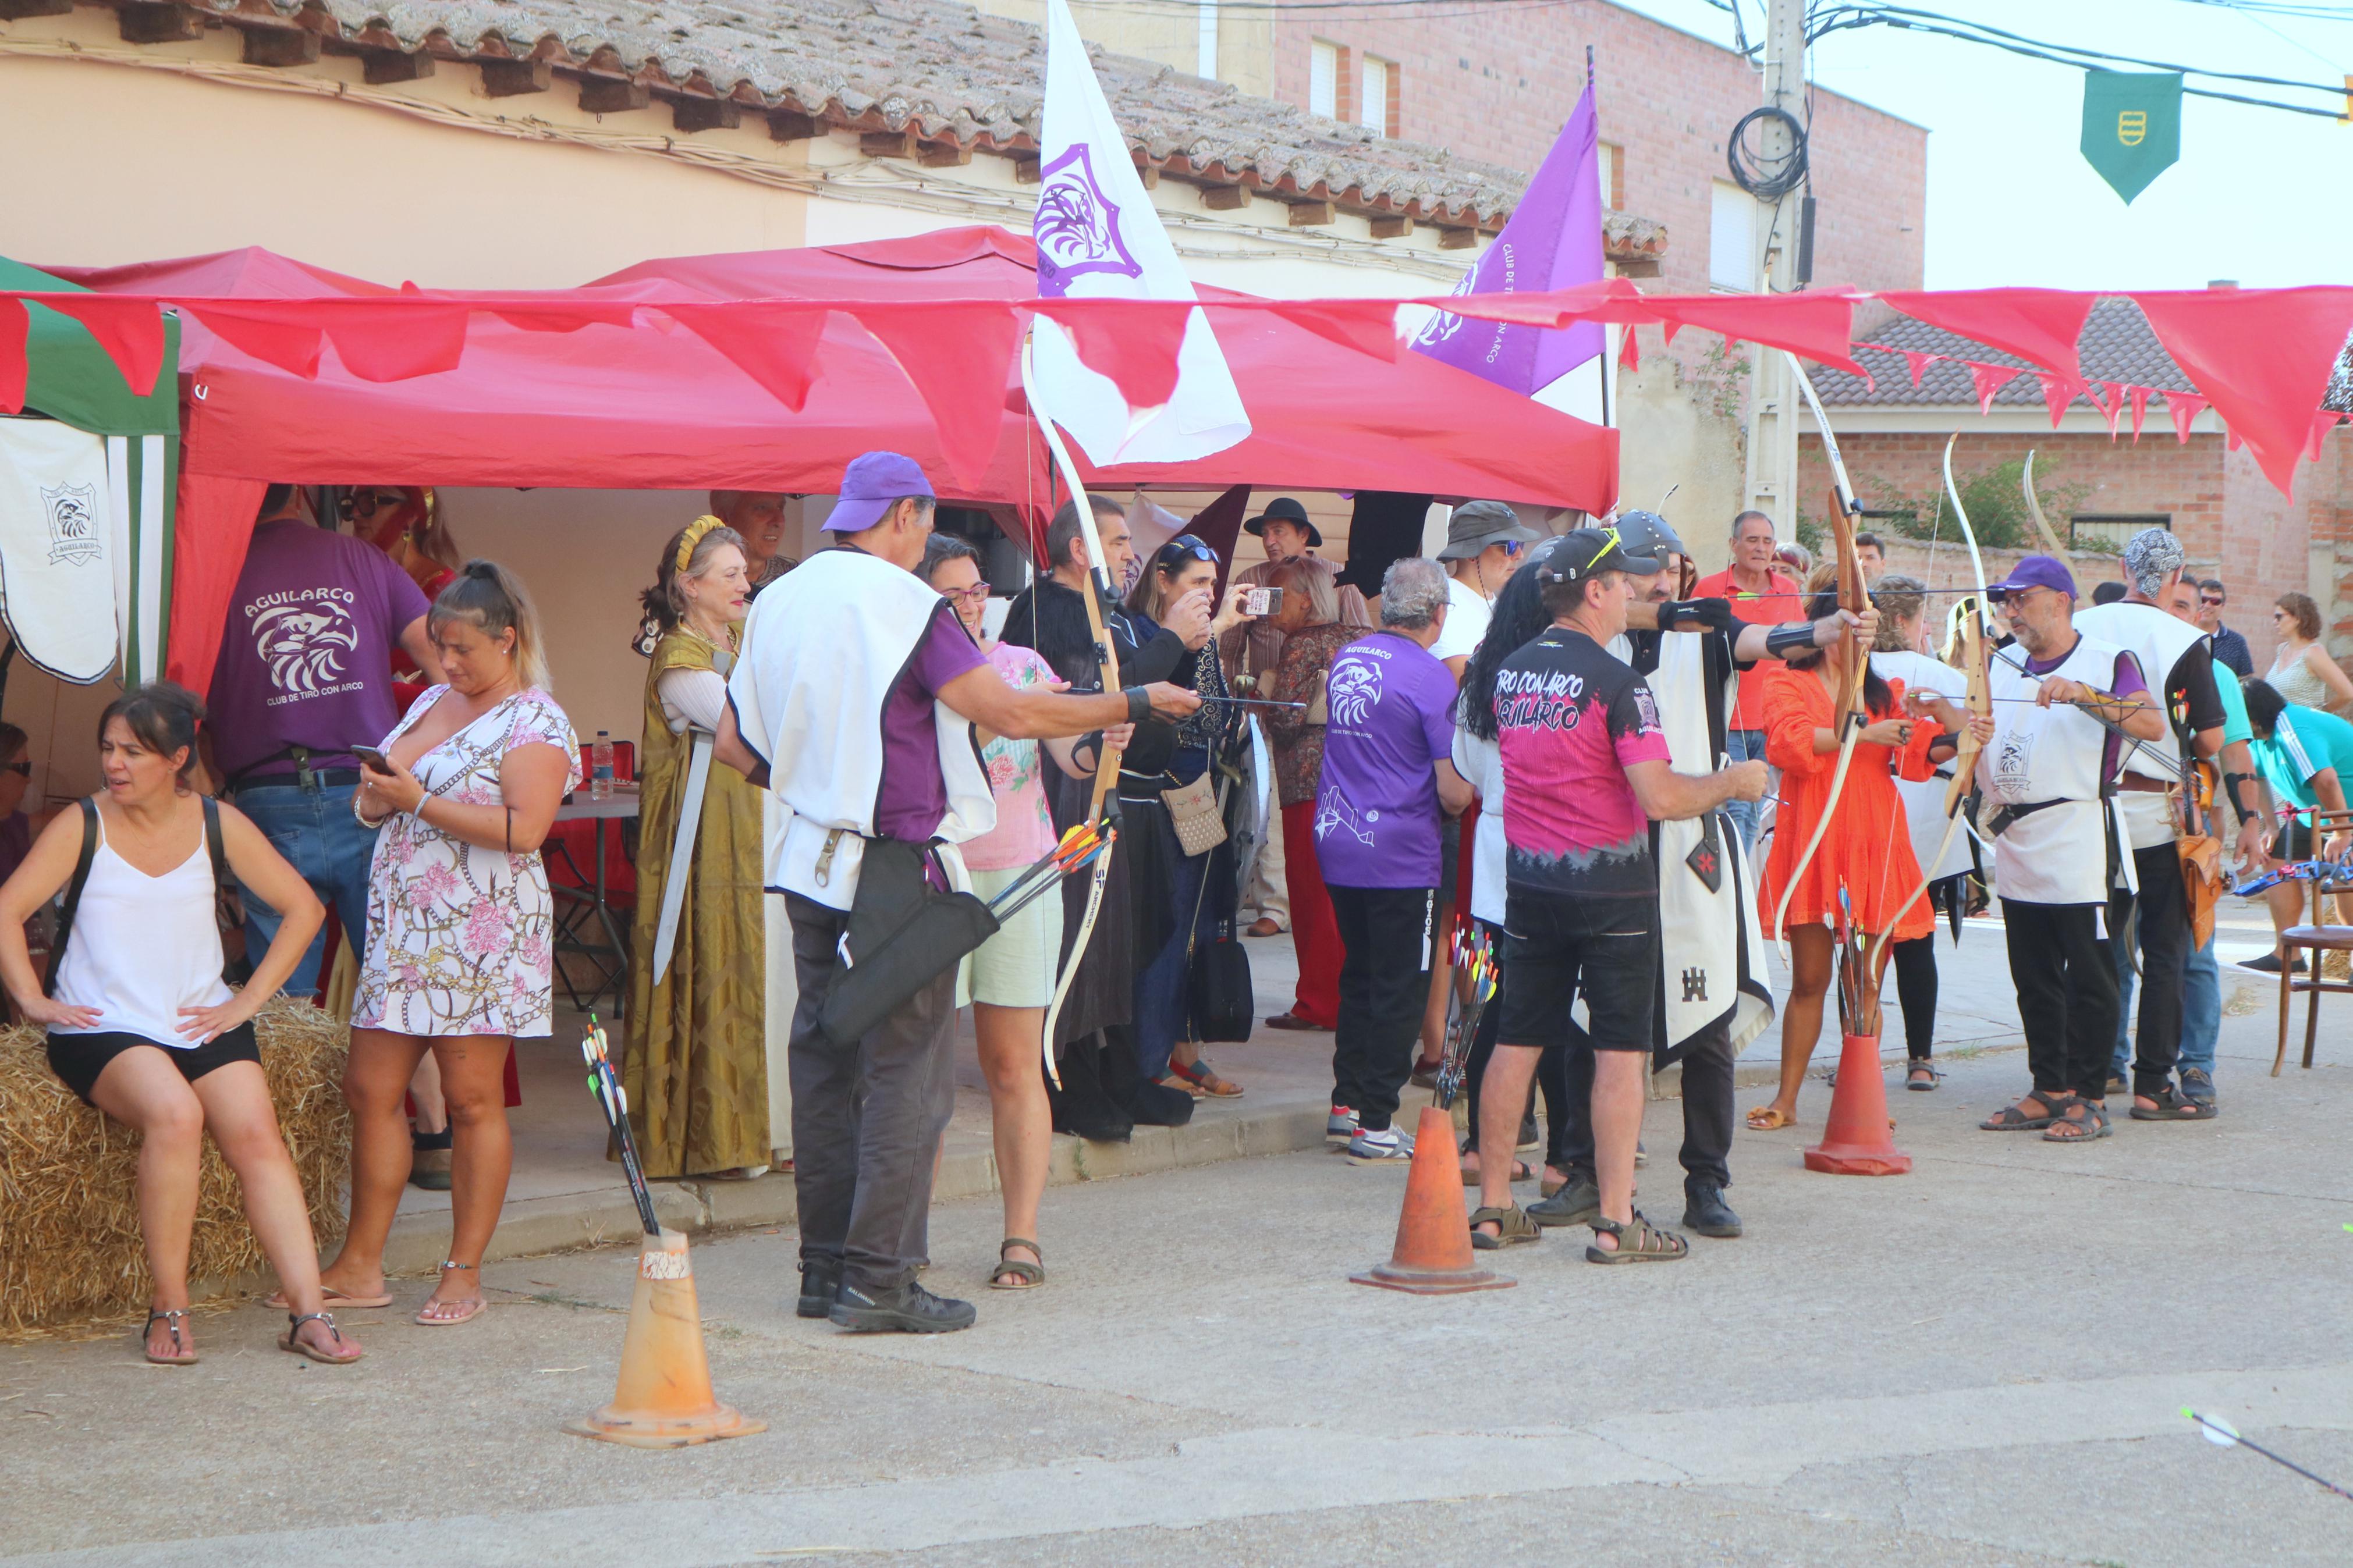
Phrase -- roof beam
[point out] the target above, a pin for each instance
(692, 114)
(888, 144)
(1310, 215)
(506, 78)
(268, 46)
(142, 23)
(612, 95)
(1388, 226)
(1457, 239)
(944, 155)
(792, 125)
(383, 67)
(18, 10)
(1225, 198)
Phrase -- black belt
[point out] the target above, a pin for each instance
(322, 777)
(2005, 817)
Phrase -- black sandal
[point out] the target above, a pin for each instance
(2172, 1106)
(291, 1339)
(2093, 1123)
(1921, 1074)
(2009, 1119)
(1639, 1242)
(1017, 1273)
(170, 1318)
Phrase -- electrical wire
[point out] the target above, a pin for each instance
(1749, 168)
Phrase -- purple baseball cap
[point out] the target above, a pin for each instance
(2036, 572)
(872, 482)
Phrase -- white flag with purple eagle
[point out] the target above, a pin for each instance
(1098, 237)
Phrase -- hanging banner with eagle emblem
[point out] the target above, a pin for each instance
(58, 548)
(2132, 127)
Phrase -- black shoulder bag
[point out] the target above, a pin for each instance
(903, 935)
(81, 876)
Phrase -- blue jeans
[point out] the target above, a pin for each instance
(2201, 1011)
(315, 830)
(1742, 746)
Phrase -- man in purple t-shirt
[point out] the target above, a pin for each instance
(1388, 779)
(305, 673)
(836, 707)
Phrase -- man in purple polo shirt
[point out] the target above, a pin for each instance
(1388, 779)
(305, 673)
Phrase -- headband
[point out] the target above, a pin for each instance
(692, 537)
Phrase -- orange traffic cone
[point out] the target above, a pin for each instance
(664, 1398)
(1433, 1240)
(1855, 1141)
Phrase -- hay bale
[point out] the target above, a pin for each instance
(69, 1242)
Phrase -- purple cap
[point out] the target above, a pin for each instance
(2036, 572)
(872, 482)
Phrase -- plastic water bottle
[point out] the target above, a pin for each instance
(600, 767)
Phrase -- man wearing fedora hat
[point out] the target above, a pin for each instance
(1255, 649)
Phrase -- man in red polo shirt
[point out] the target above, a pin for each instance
(1758, 593)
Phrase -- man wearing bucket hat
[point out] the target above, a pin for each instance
(2153, 911)
(1288, 532)
(1586, 769)
(2063, 704)
(1483, 541)
(854, 701)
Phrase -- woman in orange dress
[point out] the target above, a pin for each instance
(1867, 853)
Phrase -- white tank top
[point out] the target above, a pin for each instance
(2295, 680)
(143, 947)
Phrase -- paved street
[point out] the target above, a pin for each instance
(1981, 1364)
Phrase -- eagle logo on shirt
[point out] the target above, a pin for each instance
(1355, 689)
(304, 644)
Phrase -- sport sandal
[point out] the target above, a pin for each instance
(1512, 1225)
(1638, 1242)
(1017, 1273)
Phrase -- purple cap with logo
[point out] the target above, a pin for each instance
(872, 482)
(2036, 572)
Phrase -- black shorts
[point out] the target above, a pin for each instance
(78, 1059)
(1555, 949)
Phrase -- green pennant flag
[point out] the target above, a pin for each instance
(2132, 127)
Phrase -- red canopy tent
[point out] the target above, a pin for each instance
(635, 402)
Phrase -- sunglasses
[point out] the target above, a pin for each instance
(1180, 548)
(2213, 604)
(21, 768)
(1610, 542)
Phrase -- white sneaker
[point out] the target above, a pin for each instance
(1340, 1125)
(1383, 1147)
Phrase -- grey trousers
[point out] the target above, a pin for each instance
(867, 1119)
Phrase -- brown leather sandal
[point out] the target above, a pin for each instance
(1638, 1242)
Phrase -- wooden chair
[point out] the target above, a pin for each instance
(2320, 938)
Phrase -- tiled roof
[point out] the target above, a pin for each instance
(2116, 346)
(958, 79)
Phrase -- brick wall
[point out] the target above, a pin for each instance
(1501, 91)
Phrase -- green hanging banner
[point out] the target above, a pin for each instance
(2132, 127)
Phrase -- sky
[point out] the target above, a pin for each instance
(2259, 196)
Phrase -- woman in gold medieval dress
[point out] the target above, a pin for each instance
(696, 1067)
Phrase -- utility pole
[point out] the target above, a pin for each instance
(1772, 479)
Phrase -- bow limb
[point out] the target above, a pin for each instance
(2034, 509)
(1107, 659)
(1977, 560)
(1964, 762)
(1852, 597)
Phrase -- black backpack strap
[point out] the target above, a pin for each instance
(73, 893)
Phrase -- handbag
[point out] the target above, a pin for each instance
(1224, 1007)
(1194, 811)
(903, 935)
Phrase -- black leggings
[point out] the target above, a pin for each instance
(1552, 1071)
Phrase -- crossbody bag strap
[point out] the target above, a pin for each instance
(73, 894)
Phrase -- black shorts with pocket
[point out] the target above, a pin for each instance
(78, 1059)
(1555, 949)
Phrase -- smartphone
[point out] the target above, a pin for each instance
(1262, 601)
(372, 758)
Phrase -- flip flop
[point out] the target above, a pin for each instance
(171, 1320)
(335, 1298)
(1766, 1119)
(472, 1307)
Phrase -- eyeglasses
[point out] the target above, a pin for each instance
(975, 594)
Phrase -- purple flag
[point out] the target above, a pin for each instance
(1553, 241)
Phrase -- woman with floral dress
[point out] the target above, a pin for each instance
(460, 925)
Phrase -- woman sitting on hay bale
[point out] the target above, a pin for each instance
(141, 1024)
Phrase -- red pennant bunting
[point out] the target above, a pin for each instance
(2184, 408)
(774, 345)
(15, 368)
(2056, 396)
(1991, 379)
(2039, 326)
(2111, 405)
(2262, 356)
(956, 355)
(568, 317)
(1134, 343)
(1347, 324)
(130, 331)
(1918, 362)
(272, 333)
(398, 342)
(1630, 353)
(2139, 408)
(2322, 424)
(1811, 325)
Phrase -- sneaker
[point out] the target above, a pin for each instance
(909, 1310)
(2198, 1086)
(1579, 1202)
(820, 1283)
(1383, 1147)
(1341, 1125)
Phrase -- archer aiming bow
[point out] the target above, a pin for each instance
(1103, 804)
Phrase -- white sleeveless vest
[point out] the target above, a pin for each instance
(2058, 854)
(2158, 641)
